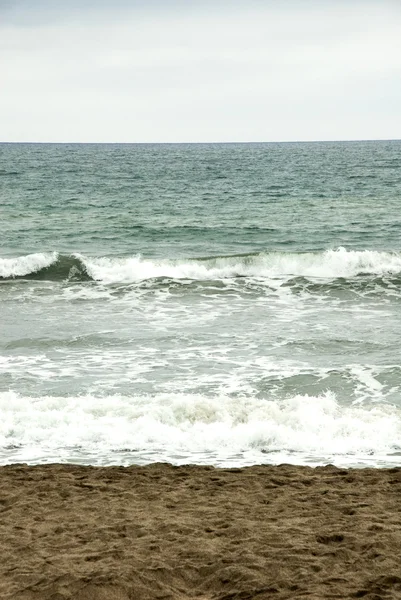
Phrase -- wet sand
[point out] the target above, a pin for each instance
(115, 533)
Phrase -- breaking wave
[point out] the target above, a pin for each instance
(49, 266)
(330, 264)
(191, 427)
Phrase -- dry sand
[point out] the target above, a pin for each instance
(159, 531)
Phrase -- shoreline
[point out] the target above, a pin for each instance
(162, 531)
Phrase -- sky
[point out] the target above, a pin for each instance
(199, 70)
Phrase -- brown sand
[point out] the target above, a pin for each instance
(117, 533)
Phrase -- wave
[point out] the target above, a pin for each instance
(197, 428)
(46, 266)
(331, 264)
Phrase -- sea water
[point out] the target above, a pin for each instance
(225, 304)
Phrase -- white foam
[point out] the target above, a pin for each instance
(23, 265)
(329, 264)
(118, 270)
(336, 263)
(169, 425)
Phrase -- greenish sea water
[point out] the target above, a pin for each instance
(224, 304)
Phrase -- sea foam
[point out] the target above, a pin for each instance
(197, 428)
(328, 264)
(25, 265)
(108, 270)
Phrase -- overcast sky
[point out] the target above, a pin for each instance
(199, 70)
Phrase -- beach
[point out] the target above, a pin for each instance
(160, 531)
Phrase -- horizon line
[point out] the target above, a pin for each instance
(208, 142)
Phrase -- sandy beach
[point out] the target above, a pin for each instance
(159, 531)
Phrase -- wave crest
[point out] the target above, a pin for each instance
(22, 266)
(331, 264)
(44, 266)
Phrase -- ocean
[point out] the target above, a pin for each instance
(222, 304)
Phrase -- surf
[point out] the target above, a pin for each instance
(329, 264)
(216, 429)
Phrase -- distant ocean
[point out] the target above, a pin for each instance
(223, 304)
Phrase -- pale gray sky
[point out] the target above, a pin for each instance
(199, 70)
